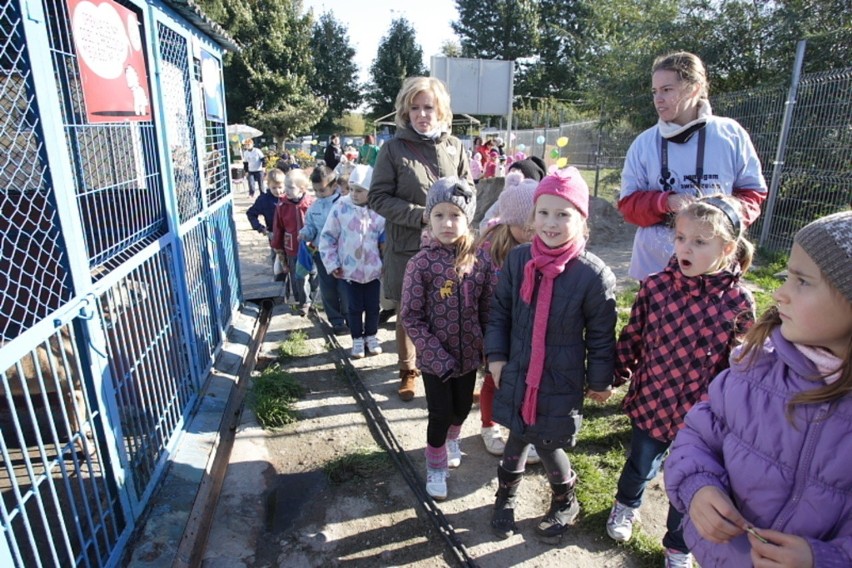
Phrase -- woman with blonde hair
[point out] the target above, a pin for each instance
(421, 152)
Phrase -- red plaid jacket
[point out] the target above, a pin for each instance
(680, 334)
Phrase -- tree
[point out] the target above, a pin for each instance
(268, 81)
(336, 78)
(398, 57)
(501, 29)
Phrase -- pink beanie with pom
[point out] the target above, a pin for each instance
(568, 184)
(515, 203)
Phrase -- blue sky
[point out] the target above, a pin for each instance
(369, 20)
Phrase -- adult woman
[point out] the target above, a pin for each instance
(369, 151)
(688, 153)
(421, 152)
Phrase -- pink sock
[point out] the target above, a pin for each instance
(454, 432)
(436, 458)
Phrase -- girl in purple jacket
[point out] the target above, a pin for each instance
(763, 469)
(446, 292)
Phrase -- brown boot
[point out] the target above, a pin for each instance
(406, 385)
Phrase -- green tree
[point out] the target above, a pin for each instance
(560, 62)
(335, 80)
(398, 57)
(500, 29)
(267, 83)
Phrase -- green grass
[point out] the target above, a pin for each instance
(762, 274)
(296, 345)
(598, 460)
(623, 302)
(272, 396)
(361, 464)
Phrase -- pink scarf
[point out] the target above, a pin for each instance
(551, 263)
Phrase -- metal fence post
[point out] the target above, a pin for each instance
(778, 163)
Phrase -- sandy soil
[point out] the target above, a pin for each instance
(279, 509)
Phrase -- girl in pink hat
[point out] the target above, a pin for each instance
(550, 342)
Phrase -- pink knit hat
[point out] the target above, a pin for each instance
(515, 204)
(568, 184)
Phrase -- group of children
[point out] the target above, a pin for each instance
(757, 415)
(330, 242)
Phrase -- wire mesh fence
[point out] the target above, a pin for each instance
(814, 168)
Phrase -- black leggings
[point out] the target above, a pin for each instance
(556, 464)
(449, 403)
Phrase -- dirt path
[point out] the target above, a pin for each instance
(278, 509)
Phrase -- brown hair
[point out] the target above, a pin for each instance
(760, 332)
(704, 211)
(502, 241)
(688, 67)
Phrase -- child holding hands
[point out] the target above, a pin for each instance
(350, 248)
(289, 220)
(445, 298)
(683, 324)
(550, 342)
(762, 469)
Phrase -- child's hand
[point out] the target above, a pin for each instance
(496, 369)
(715, 516)
(599, 396)
(782, 550)
(337, 272)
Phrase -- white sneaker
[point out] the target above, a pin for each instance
(453, 453)
(492, 437)
(678, 559)
(436, 483)
(532, 456)
(373, 345)
(619, 526)
(357, 347)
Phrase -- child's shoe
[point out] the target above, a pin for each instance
(453, 453)
(678, 559)
(357, 347)
(373, 345)
(492, 437)
(436, 483)
(563, 510)
(619, 526)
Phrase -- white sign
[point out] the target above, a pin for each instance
(477, 86)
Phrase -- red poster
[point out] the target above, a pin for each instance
(112, 61)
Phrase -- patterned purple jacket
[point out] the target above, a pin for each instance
(445, 316)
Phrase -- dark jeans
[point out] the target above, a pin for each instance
(333, 291)
(363, 307)
(643, 464)
(449, 403)
(255, 177)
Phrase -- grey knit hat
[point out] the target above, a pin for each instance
(452, 190)
(828, 241)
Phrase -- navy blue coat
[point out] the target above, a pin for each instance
(580, 346)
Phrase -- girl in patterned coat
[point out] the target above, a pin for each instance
(683, 324)
(446, 293)
(349, 245)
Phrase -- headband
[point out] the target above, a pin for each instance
(729, 212)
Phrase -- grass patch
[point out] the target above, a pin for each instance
(296, 345)
(272, 396)
(762, 274)
(598, 460)
(623, 302)
(361, 464)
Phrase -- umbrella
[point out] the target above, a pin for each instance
(243, 131)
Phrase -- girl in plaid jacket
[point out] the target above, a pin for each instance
(682, 327)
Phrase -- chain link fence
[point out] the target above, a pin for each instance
(807, 161)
